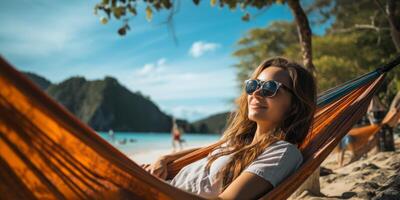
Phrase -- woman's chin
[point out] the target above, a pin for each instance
(256, 116)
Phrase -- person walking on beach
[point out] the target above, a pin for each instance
(176, 136)
(259, 147)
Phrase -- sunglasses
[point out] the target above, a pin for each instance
(268, 88)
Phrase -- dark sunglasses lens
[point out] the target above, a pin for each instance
(269, 89)
(251, 86)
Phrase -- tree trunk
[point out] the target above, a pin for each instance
(394, 24)
(386, 140)
(385, 134)
(304, 32)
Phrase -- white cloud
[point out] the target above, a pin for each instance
(161, 61)
(152, 69)
(199, 48)
(175, 81)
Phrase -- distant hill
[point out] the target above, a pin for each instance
(40, 81)
(212, 124)
(106, 104)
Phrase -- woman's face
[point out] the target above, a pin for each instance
(270, 110)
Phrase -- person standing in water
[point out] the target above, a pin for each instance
(176, 136)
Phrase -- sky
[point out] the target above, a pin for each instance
(190, 79)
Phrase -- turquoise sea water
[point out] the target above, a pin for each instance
(143, 142)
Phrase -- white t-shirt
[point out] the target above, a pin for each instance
(275, 163)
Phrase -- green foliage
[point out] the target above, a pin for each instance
(369, 42)
(343, 53)
(122, 9)
(261, 43)
(341, 57)
(333, 71)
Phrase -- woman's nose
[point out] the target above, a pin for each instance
(257, 92)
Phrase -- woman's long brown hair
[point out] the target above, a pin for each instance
(239, 134)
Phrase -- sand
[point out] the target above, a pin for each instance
(376, 176)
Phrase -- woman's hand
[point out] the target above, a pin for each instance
(158, 168)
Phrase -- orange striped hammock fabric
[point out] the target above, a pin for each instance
(47, 153)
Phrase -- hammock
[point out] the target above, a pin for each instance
(391, 119)
(363, 134)
(47, 153)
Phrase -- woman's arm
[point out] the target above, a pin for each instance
(174, 156)
(159, 167)
(246, 186)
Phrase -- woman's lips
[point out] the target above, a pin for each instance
(257, 106)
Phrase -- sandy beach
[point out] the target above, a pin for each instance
(376, 176)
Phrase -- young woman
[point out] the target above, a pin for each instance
(274, 114)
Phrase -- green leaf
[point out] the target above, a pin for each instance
(246, 17)
(132, 10)
(118, 12)
(157, 5)
(103, 20)
(280, 1)
(213, 2)
(232, 5)
(167, 4)
(149, 13)
(122, 31)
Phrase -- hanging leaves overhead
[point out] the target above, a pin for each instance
(123, 9)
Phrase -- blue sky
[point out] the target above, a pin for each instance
(192, 79)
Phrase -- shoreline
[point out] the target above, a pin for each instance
(149, 156)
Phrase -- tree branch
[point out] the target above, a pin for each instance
(170, 20)
(390, 16)
(363, 27)
(380, 6)
(360, 27)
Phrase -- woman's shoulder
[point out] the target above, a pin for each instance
(283, 150)
(276, 162)
(282, 144)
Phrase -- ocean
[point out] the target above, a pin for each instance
(140, 146)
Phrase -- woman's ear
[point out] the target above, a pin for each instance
(292, 106)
